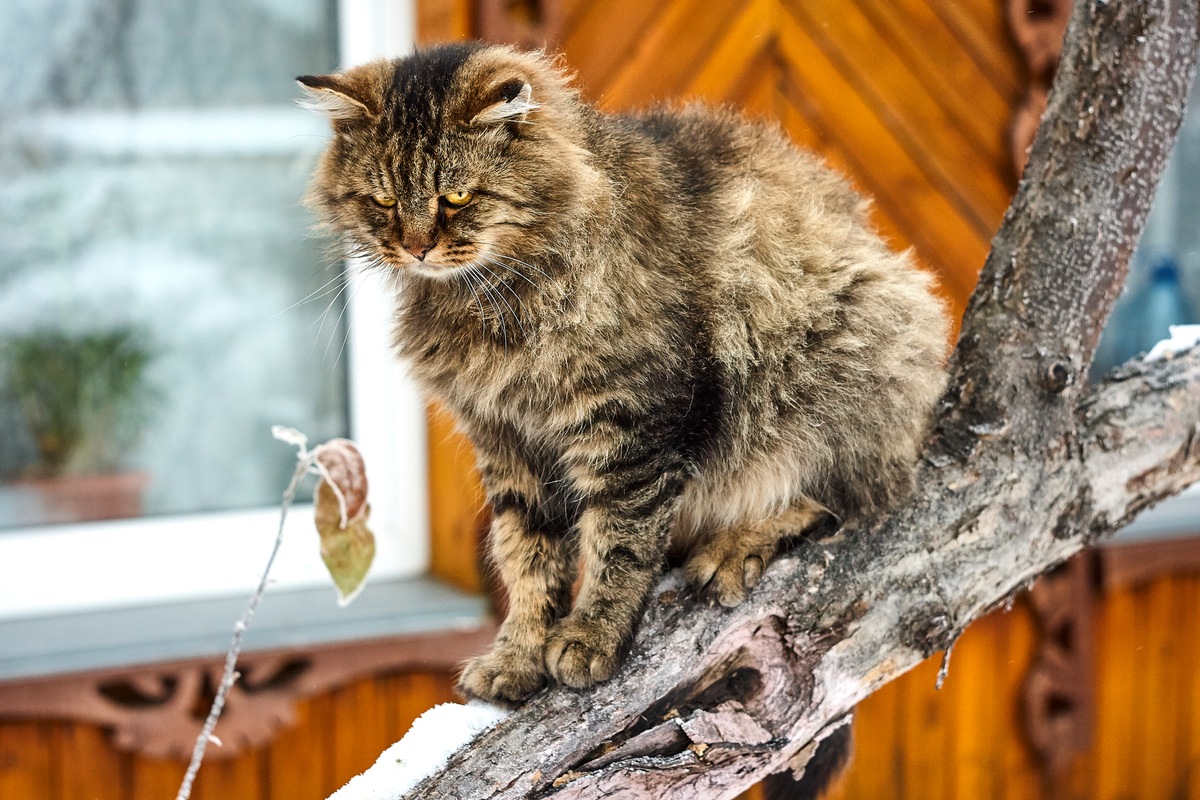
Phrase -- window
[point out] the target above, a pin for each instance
(152, 162)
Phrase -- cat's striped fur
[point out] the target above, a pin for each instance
(667, 330)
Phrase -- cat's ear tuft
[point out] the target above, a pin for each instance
(514, 104)
(344, 100)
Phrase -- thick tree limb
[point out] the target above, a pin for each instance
(1026, 465)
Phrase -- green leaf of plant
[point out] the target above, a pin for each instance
(347, 551)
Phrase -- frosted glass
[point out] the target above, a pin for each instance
(152, 163)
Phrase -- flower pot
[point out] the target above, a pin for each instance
(77, 498)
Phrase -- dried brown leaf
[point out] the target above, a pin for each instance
(346, 550)
(342, 466)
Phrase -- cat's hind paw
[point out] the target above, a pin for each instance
(727, 568)
(503, 677)
(579, 654)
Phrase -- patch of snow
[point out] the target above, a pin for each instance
(432, 739)
(1183, 338)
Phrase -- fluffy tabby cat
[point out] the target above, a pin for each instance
(663, 332)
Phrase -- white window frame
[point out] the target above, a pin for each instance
(70, 568)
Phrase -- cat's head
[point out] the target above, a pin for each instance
(451, 157)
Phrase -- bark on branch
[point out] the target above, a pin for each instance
(1027, 464)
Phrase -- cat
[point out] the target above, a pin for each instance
(663, 332)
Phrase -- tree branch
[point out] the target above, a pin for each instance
(1026, 465)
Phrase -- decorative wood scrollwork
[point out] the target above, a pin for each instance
(157, 710)
(1038, 27)
(1059, 701)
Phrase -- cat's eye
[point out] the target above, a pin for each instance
(458, 199)
(383, 200)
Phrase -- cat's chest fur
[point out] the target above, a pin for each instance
(570, 361)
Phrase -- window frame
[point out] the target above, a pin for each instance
(57, 569)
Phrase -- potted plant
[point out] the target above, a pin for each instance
(85, 398)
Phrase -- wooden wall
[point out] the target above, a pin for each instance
(913, 742)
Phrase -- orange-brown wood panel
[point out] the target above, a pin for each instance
(457, 510)
(443, 20)
(27, 767)
(935, 139)
(880, 164)
(104, 776)
(1190, 735)
(152, 779)
(298, 763)
(334, 737)
(1116, 697)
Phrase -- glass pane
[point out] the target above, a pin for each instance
(162, 299)
(1163, 288)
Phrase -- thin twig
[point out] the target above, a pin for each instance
(231, 675)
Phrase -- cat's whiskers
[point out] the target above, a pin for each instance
(516, 272)
(323, 318)
(315, 294)
(502, 282)
(541, 272)
(338, 324)
(466, 276)
(490, 294)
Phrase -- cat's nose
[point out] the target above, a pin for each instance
(417, 246)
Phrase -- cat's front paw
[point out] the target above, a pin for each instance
(580, 653)
(504, 676)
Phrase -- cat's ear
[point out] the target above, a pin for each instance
(340, 96)
(511, 102)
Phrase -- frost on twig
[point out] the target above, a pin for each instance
(347, 548)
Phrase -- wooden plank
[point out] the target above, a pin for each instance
(412, 694)
(443, 21)
(360, 719)
(299, 763)
(230, 778)
(970, 690)
(26, 766)
(943, 238)
(941, 64)
(572, 12)
(1117, 695)
(603, 36)
(87, 765)
(457, 506)
(743, 47)
(922, 731)
(1158, 705)
(1190, 676)
(996, 58)
(757, 94)
(668, 53)
(155, 778)
(894, 93)
(873, 771)
(1017, 647)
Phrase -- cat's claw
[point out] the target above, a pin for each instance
(504, 677)
(579, 654)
